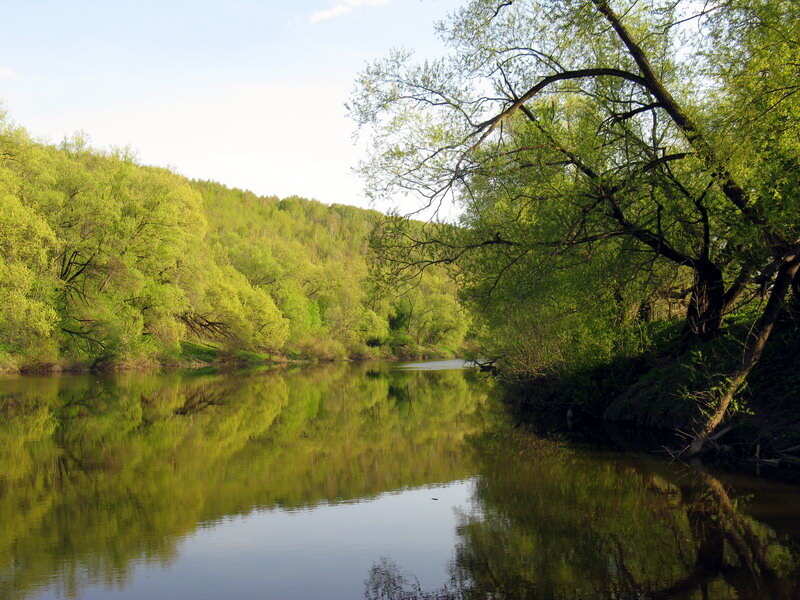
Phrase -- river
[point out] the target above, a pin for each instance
(357, 481)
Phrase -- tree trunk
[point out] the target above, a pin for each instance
(784, 281)
(704, 317)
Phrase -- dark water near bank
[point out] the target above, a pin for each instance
(356, 481)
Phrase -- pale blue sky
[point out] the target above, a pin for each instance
(246, 92)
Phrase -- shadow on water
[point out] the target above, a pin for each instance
(99, 475)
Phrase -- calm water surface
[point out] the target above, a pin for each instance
(347, 482)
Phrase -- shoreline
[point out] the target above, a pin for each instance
(225, 363)
(560, 421)
(732, 453)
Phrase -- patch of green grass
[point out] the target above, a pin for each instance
(199, 352)
(248, 357)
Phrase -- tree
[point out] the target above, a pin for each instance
(568, 129)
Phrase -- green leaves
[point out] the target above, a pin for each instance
(610, 162)
(105, 259)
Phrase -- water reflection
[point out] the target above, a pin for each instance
(96, 474)
(290, 484)
(557, 523)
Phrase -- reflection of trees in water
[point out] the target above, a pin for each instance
(96, 473)
(387, 582)
(553, 523)
(747, 555)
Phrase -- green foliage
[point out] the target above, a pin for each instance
(620, 170)
(26, 293)
(102, 259)
(673, 388)
(199, 352)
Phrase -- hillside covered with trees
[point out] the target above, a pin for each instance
(105, 262)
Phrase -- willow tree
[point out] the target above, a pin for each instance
(668, 127)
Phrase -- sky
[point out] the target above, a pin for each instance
(249, 93)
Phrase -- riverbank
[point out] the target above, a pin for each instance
(185, 360)
(196, 356)
(668, 390)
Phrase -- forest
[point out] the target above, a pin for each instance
(106, 263)
(626, 177)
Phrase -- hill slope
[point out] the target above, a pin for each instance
(105, 261)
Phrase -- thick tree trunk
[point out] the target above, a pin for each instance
(704, 317)
(784, 281)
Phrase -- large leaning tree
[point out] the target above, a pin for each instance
(669, 129)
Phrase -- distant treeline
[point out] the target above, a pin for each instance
(106, 261)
